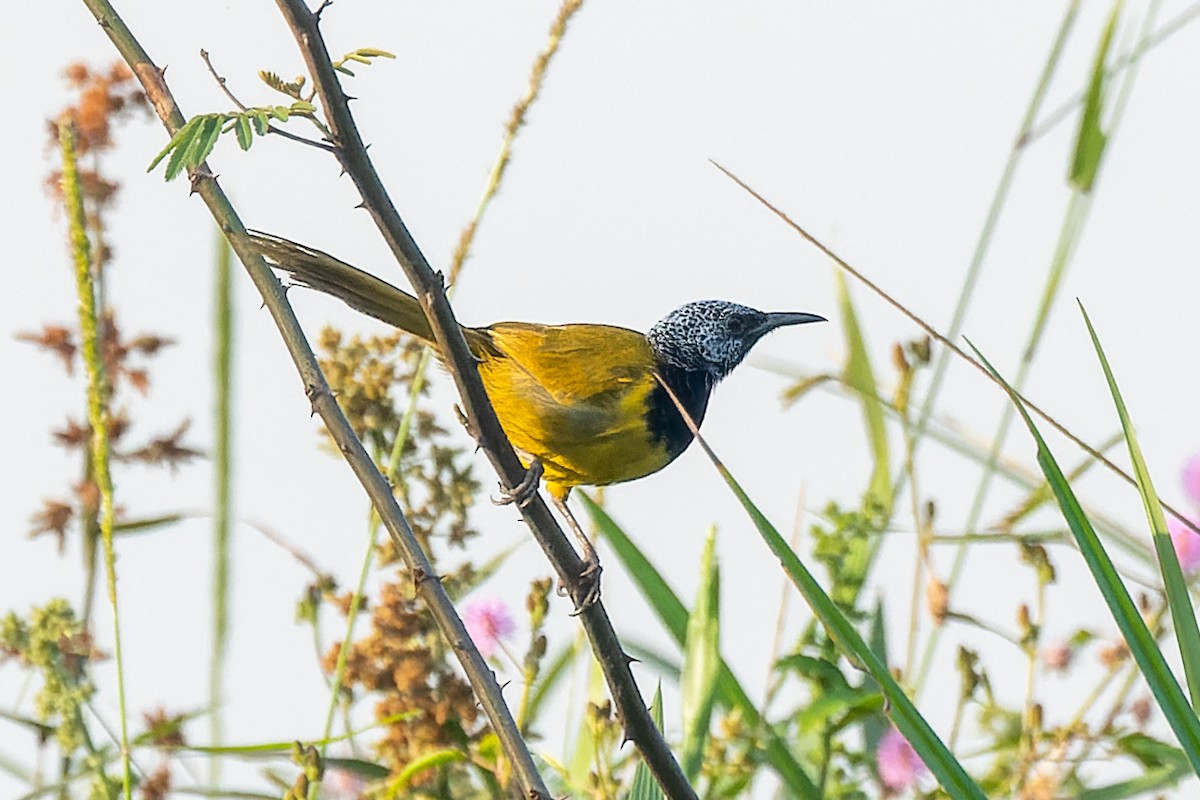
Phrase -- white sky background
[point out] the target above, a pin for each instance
(881, 128)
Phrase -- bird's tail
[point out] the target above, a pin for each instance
(359, 290)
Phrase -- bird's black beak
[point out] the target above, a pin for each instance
(778, 319)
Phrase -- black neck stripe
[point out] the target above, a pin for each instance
(663, 420)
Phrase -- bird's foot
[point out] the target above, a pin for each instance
(586, 591)
(524, 491)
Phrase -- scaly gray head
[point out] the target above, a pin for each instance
(715, 335)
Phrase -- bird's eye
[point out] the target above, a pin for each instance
(735, 325)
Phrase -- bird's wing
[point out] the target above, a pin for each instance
(566, 383)
(574, 364)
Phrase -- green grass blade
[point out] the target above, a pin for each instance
(860, 376)
(701, 661)
(1183, 616)
(283, 749)
(1091, 141)
(671, 612)
(1145, 651)
(941, 762)
(644, 787)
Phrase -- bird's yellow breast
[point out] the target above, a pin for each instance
(575, 397)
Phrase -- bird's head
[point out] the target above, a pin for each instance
(715, 335)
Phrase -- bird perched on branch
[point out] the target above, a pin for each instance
(583, 404)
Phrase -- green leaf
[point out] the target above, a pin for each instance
(191, 144)
(1150, 752)
(262, 124)
(1091, 141)
(181, 135)
(1147, 784)
(671, 612)
(832, 711)
(245, 134)
(1145, 651)
(177, 148)
(817, 670)
(860, 377)
(701, 661)
(357, 766)
(206, 139)
(1178, 598)
(1163, 767)
(644, 787)
(177, 163)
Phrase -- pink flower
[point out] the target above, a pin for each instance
(1187, 544)
(342, 784)
(1191, 478)
(488, 622)
(1057, 657)
(898, 763)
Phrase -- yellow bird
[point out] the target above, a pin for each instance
(583, 402)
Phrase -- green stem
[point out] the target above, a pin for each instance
(223, 479)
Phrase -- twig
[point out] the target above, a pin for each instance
(958, 351)
(328, 148)
(429, 288)
(203, 182)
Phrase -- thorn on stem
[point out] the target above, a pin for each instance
(313, 392)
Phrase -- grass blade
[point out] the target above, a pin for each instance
(701, 661)
(1091, 141)
(1183, 616)
(860, 377)
(644, 786)
(1149, 658)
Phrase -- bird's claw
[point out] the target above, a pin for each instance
(586, 589)
(524, 491)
